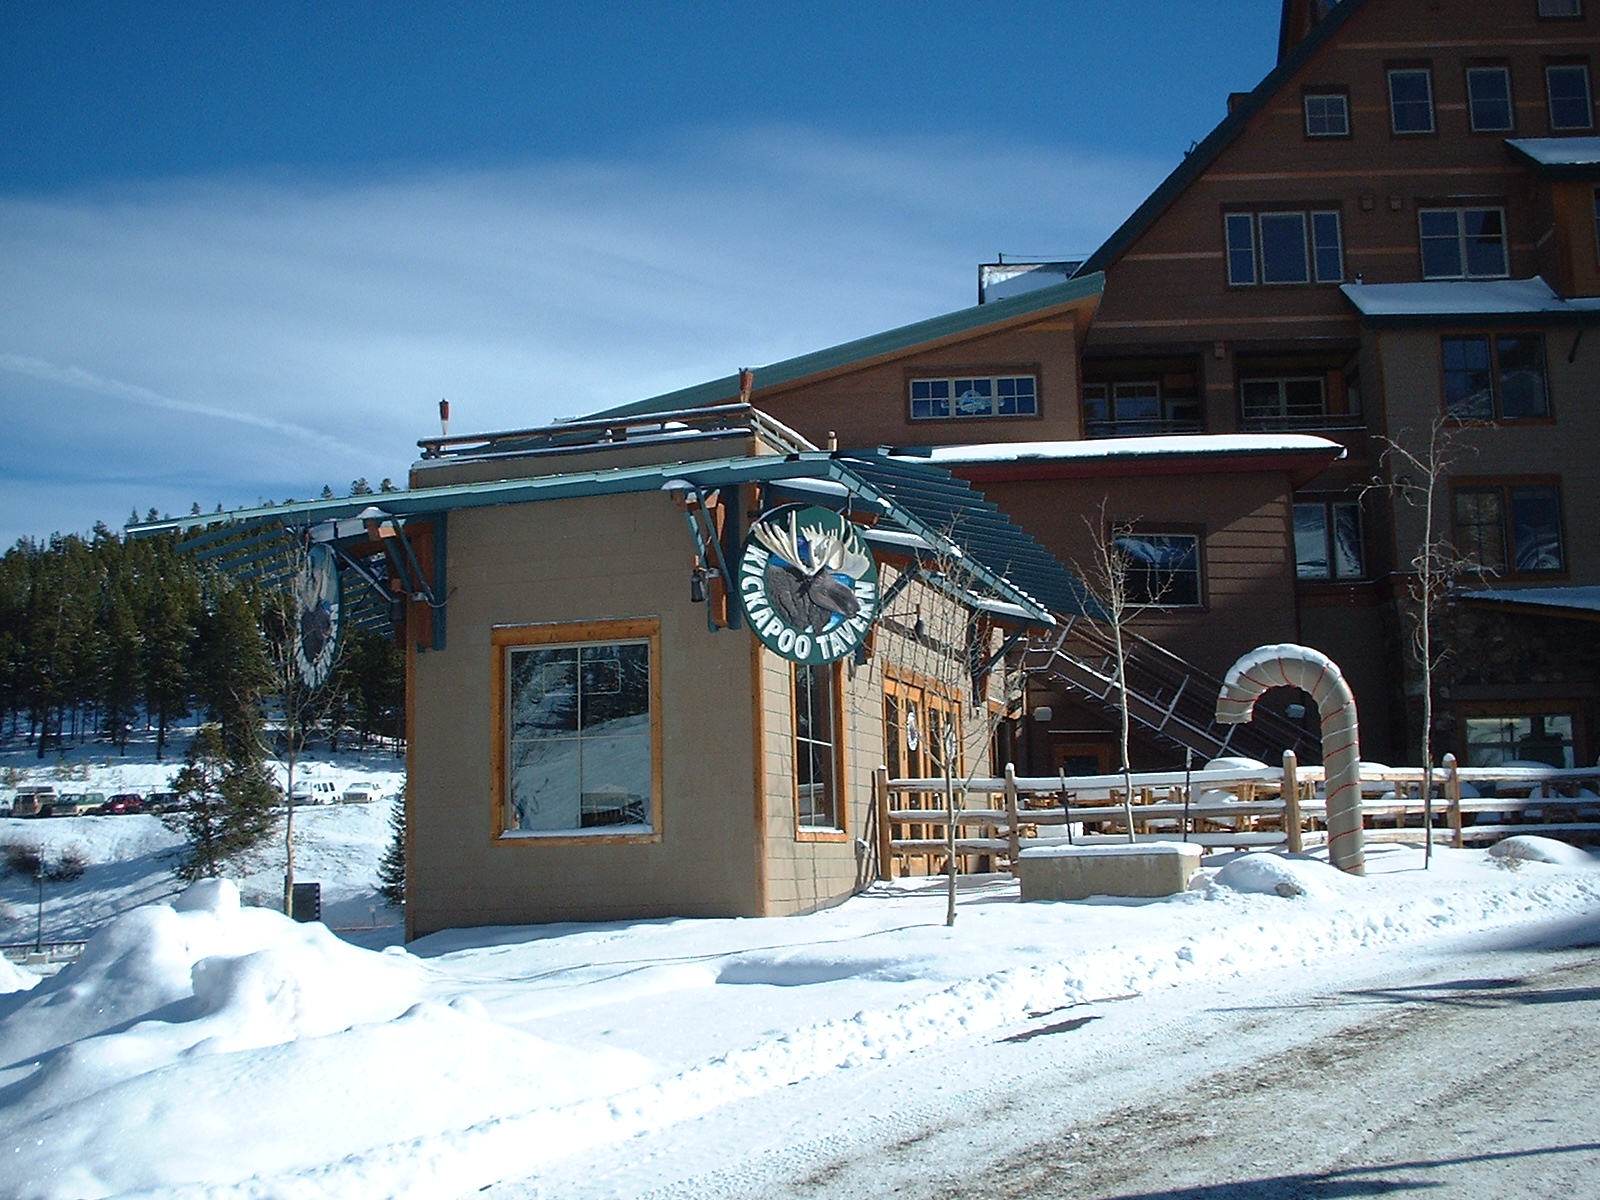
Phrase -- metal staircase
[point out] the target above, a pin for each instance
(1167, 696)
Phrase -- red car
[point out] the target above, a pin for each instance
(125, 802)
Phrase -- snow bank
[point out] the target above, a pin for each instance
(1530, 848)
(14, 979)
(1274, 875)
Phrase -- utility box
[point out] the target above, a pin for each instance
(306, 902)
(1078, 872)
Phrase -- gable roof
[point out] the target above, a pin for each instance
(1205, 153)
(996, 314)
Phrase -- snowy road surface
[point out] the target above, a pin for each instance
(1467, 1071)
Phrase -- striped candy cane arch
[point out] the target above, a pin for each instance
(1311, 671)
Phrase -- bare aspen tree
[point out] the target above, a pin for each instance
(1419, 478)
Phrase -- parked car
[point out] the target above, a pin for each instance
(125, 802)
(359, 793)
(315, 791)
(33, 800)
(161, 802)
(78, 804)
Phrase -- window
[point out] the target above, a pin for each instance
(1282, 402)
(817, 772)
(1327, 114)
(1327, 540)
(1150, 397)
(1273, 247)
(1163, 568)
(1495, 378)
(1493, 741)
(1463, 243)
(1489, 105)
(1568, 89)
(1561, 8)
(578, 754)
(977, 396)
(1411, 100)
(1510, 528)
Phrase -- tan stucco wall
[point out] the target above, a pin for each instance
(580, 560)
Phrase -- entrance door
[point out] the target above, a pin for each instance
(916, 718)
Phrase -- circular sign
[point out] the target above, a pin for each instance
(316, 603)
(808, 584)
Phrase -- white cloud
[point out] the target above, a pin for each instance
(225, 339)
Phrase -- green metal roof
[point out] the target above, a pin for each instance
(1205, 153)
(921, 499)
(893, 341)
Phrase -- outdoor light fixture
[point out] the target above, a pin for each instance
(1043, 713)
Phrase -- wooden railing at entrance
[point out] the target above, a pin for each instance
(1237, 808)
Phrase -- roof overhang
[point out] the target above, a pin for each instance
(1301, 457)
(1479, 302)
(1573, 603)
(1572, 158)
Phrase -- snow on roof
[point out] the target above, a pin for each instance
(1559, 151)
(1196, 444)
(1484, 297)
(1579, 599)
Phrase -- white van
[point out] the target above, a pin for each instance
(315, 791)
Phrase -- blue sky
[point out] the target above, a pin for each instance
(245, 248)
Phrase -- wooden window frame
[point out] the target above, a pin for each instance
(1511, 98)
(985, 371)
(1492, 337)
(1425, 69)
(505, 638)
(1504, 484)
(1562, 64)
(841, 801)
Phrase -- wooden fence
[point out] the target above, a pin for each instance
(1236, 808)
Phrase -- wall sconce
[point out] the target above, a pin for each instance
(1043, 714)
(1295, 712)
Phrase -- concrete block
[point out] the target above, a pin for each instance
(1077, 872)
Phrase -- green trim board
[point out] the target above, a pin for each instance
(863, 350)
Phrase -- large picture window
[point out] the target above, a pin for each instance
(1163, 569)
(975, 396)
(578, 751)
(1463, 243)
(1494, 741)
(1510, 528)
(1495, 378)
(817, 764)
(1283, 403)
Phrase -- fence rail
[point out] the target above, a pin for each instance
(1234, 808)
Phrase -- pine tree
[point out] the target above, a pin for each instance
(360, 487)
(227, 807)
(392, 867)
(232, 669)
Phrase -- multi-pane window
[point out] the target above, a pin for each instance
(1327, 540)
(1327, 114)
(1561, 8)
(1162, 568)
(1164, 400)
(1489, 105)
(816, 747)
(1282, 402)
(975, 396)
(579, 744)
(1284, 247)
(1499, 377)
(1411, 100)
(1463, 243)
(1567, 86)
(1510, 528)
(1536, 737)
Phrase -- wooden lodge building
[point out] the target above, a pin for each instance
(1395, 237)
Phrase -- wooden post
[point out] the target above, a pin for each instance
(880, 795)
(1452, 792)
(1015, 838)
(1291, 801)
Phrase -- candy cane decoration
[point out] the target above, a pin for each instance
(1312, 671)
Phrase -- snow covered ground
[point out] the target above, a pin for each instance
(203, 1048)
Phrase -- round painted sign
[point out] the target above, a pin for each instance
(808, 584)
(317, 597)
